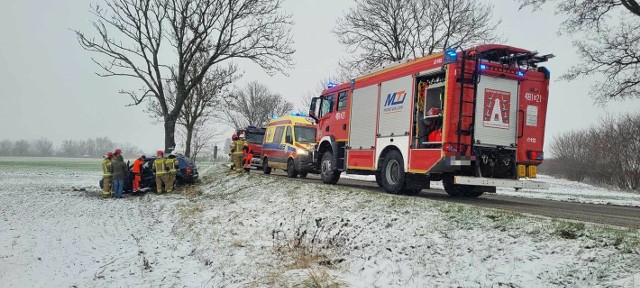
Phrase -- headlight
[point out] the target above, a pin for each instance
(302, 152)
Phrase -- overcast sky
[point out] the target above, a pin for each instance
(48, 87)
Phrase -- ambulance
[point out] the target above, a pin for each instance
(288, 145)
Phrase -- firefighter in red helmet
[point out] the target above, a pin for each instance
(236, 152)
(107, 176)
(161, 172)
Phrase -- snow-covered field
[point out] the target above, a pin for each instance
(560, 190)
(264, 231)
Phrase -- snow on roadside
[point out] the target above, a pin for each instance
(265, 230)
(367, 239)
(560, 190)
(56, 231)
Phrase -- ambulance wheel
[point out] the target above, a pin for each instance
(460, 191)
(265, 167)
(379, 179)
(291, 169)
(302, 174)
(328, 174)
(393, 176)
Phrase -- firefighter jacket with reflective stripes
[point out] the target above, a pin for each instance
(106, 167)
(238, 145)
(159, 166)
(172, 164)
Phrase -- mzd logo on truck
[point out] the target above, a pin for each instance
(394, 102)
(497, 105)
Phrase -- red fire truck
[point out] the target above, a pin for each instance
(471, 118)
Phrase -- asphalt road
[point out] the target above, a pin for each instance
(603, 214)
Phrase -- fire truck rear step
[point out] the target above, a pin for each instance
(495, 182)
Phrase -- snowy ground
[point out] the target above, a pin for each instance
(560, 190)
(263, 231)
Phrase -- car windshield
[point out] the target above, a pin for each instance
(255, 138)
(305, 134)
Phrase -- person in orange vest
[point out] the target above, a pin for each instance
(107, 176)
(248, 157)
(161, 172)
(137, 172)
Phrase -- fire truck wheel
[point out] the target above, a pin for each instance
(393, 172)
(291, 169)
(265, 167)
(327, 173)
(379, 179)
(302, 174)
(460, 191)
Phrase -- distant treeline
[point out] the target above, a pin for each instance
(92, 147)
(607, 153)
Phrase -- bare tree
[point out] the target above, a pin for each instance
(132, 36)
(321, 86)
(44, 147)
(202, 104)
(6, 148)
(21, 148)
(383, 31)
(202, 137)
(253, 105)
(607, 38)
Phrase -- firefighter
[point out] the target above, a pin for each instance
(107, 177)
(236, 152)
(172, 164)
(161, 170)
(137, 172)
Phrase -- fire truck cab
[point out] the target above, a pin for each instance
(472, 118)
(254, 137)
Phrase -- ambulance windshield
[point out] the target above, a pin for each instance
(305, 134)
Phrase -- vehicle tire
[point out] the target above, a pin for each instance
(379, 179)
(265, 167)
(327, 173)
(460, 191)
(302, 174)
(291, 169)
(392, 173)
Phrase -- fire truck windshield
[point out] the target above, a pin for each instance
(305, 134)
(255, 138)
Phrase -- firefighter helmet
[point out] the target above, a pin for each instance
(109, 154)
(160, 153)
(117, 152)
(234, 137)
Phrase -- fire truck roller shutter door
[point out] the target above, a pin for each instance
(363, 118)
(394, 127)
(496, 112)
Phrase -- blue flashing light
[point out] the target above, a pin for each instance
(520, 73)
(298, 114)
(482, 66)
(331, 85)
(274, 116)
(450, 56)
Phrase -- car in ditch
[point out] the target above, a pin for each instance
(187, 174)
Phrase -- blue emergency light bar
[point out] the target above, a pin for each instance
(298, 114)
(450, 56)
(331, 85)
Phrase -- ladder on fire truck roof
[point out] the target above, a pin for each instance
(465, 82)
